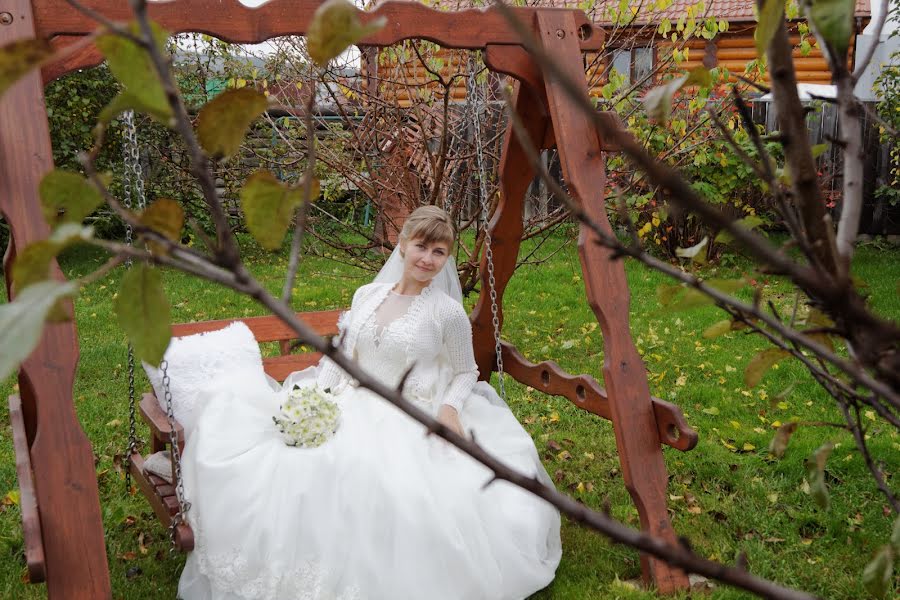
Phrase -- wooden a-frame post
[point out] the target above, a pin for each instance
(60, 502)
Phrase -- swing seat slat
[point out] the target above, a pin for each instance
(31, 520)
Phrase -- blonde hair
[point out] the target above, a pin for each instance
(429, 224)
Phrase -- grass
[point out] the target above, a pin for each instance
(728, 495)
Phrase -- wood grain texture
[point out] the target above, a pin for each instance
(506, 226)
(161, 498)
(231, 21)
(31, 520)
(634, 421)
(61, 456)
(267, 328)
(584, 392)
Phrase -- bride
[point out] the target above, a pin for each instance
(381, 510)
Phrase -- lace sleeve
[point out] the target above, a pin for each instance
(458, 343)
(330, 375)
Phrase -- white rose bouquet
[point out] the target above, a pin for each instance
(308, 418)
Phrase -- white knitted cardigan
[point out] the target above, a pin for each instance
(438, 338)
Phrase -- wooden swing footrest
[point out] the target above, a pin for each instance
(31, 520)
(161, 496)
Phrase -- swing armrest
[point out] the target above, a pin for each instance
(156, 418)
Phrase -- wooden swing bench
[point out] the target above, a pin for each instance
(62, 519)
(161, 493)
(547, 377)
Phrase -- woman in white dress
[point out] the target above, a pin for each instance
(381, 510)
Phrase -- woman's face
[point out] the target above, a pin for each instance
(422, 261)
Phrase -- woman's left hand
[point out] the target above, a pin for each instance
(448, 417)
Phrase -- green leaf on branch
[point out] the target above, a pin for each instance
(658, 101)
(334, 27)
(67, 197)
(32, 265)
(879, 572)
(815, 474)
(750, 222)
(143, 312)
(165, 217)
(22, 321)
(717, 329)
(269, 206)
(779, 443)
(761, 363)
(223, 122)
(697, 252)
(132, 66)
(832, 22)
(18, 58)
(770, 17)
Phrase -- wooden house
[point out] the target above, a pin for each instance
(644, 38)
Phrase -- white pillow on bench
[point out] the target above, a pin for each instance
(197, 361)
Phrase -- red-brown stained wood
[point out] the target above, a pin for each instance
(161, 505)
(634, 422)
(233, 22)
(506, 226)
(267, 328)
(584, 392)
(158, 421)
(31, 520)
(61, 455)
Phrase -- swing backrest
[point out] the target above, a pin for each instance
(273, 329)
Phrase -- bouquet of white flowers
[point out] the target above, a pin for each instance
(308, 418)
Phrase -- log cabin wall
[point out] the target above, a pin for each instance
(403, 79)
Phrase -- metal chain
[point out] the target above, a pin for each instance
(132, 187)
(480, 103)
(183, 506)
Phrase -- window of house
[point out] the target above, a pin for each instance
(634, 64)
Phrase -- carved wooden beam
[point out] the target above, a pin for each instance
(633, 415)
(584, 392)
(231, 21)
(61, 456)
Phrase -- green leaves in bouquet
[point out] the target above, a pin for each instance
(658, 101)
(143, 312)
(770, 17)
(18, 58)
(132, 66)
(22, 320)
(67, 197)
(165, 217)
(269, 206)
(223, 122)
(334, 27)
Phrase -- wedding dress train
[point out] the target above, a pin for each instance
(380, 511)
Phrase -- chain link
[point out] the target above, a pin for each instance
(479, 92)
(183, 506)
(132, 193)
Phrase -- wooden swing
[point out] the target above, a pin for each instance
(63, 531)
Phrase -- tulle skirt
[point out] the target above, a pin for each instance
(380, 511)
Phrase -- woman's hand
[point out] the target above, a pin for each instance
(449, 418)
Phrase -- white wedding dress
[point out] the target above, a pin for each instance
(380, 511)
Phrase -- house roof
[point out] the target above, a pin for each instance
(730, 10)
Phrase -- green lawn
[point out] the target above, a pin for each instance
(727, 494)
